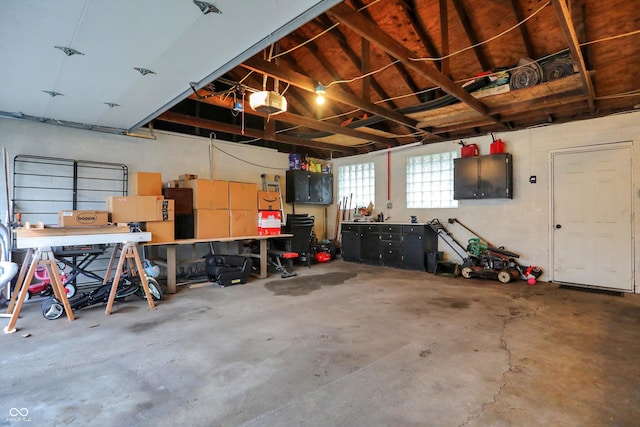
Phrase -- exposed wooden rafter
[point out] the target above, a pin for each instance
(471, 35)
(298, 120)
(214, 125)
(307, 83)
(564, 16)
(347, 16)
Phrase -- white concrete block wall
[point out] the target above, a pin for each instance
(522, 224)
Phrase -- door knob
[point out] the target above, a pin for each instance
(558, 226)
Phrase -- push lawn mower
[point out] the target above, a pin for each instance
(483, 260)
(129, 285)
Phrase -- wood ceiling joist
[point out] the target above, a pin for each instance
(471, 35)
(564, 16)
(402, 71)
(324, 23)
(311, 108)
(409, 7)
(365, 28)
(537, 113)
(300, 121)
(214, 125)
(307, 83)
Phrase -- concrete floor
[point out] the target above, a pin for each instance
(342, 344)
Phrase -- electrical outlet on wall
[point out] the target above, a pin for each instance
(389, 204)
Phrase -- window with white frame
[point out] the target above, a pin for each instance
(357, 182)
(430, 181)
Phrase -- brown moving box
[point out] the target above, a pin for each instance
(139, 208)
(161, 231)
(243, 195)
(268, 201)
(244, 222)
(82, 218)
(208, 194)
(146, 184)
(211, 223)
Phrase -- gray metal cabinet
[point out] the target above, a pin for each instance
(483, 177)
(309, 187)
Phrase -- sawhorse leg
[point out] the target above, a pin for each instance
(128, 252)
(45, 257)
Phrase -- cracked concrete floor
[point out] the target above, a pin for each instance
(341, 344)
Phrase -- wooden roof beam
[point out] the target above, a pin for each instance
(564, 16)
(402, 71)
(347, 16)
(307, 83)
(301, 121)
(471, 35)
(197, 122)
(410, 10)
(353, 57)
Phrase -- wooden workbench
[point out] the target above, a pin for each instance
(38, 243)
(171, 262)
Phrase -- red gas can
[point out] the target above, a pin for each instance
(497, 147)
(470, 150)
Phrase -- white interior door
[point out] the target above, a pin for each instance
(592, 218)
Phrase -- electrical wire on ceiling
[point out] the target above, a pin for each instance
(490, 39)
(245, 161)
(321, 33)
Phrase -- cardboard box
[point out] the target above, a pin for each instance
(138, 208)
(82, 218)
(243, 195)
(269, 222)
(161, 231)
(208, 194)
(244, 222)
(188, 177)
(268, 200)
(146, 184)
(211, 223)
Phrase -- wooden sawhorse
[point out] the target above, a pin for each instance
(35, 258)
(129, 253)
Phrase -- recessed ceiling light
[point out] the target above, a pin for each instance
(69, 50)
(52, 93)
(143, 71)
(206, 7)
(112, 104)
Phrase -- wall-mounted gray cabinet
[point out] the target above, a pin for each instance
(483, 177)
(309, 187)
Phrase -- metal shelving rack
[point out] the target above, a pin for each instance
(42, 186)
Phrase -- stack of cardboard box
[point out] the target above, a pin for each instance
(194, 208)
(147, 206)
(243, 209)
(210, 207)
